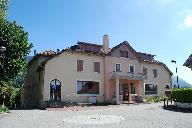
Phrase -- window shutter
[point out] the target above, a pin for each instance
(79, 65)
(97, 67)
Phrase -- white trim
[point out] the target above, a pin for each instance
(115, 66)
(152, 94)
(100, 94)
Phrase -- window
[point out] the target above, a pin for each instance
(87, 87)
(121, 53)
(154, 72)
(145, 71)
(118, 68)
(97, 67)
(150, 89)
(131, 69)
(133, 88)
(124, 54)
(79, 65)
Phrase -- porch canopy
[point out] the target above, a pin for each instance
(126, 76)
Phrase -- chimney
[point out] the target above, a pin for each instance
(106, 44)
(35, 52)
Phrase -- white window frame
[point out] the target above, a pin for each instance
(116, 67)
(133, 68)
(152, 94)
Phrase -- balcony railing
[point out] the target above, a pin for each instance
(131, 76)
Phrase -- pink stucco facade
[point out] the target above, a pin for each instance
(110, 81)
(121, 76)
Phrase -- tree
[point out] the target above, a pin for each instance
(15, 39)
(3, 8)
(19, 79)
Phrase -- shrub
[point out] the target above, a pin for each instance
(9, 95)
(3, 109)
(156, 99)
(183, 95)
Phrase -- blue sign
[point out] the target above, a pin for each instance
(53, 87)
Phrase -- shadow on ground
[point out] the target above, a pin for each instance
(176, 109)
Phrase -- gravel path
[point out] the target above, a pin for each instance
(122, 116)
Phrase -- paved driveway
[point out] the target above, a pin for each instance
(122, 116)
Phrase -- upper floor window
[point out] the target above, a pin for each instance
(97, 67)
(79, 65)
(124, 54)
(118, 67)
(145, 71)
(131, 69)
(154, 72)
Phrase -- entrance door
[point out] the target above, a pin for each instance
(55, 90)
(125, 92)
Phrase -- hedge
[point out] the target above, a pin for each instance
(183, 95)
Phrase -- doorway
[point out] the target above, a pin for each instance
(125, 90)
(55, 90)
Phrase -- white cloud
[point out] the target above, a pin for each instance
(186, 23)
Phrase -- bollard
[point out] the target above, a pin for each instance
(164, 102)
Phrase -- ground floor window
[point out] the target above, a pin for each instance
(55, 90)
(150, 89)
(87, 87)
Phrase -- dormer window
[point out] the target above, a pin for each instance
(124, 54)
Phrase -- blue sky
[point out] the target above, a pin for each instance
(160, 27)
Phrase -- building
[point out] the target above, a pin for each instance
(188, 62)
(94, 73)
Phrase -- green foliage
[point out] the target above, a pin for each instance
(4, 109)
(183, 95)
(15, 39)
(156, 99)
(3, 8)
(9, 95)
(19, 79)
